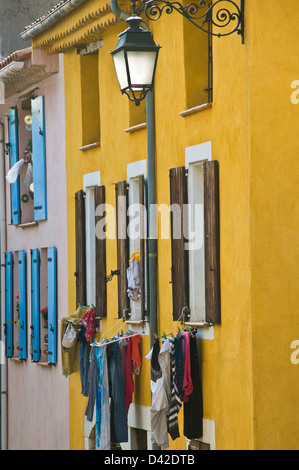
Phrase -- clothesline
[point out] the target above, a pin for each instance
(104, 343)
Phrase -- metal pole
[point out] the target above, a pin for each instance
(151, 198)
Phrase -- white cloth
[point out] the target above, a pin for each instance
(161, 395)
(133, 278)
(14, 172)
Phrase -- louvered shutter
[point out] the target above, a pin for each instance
(142, 244)
(9, 303)
(121, 192)
(52, 305)
(180, 275)
(101, 285)
(39, 158)
(35, 292)
(80, 247)
(22, 305)
(212, 242)
(14, 158)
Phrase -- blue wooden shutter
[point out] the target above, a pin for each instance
(22, 305)
(52, 305)
(35, 327)
(39, 158)
(9, 303)
(14, 158)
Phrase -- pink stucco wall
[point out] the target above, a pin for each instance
(38, 404)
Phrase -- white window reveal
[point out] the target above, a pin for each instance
(195, 157)
(90, 180)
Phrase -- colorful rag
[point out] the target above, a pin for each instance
(136, 357)
(89, 321)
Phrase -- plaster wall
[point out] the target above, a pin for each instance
(38, 396)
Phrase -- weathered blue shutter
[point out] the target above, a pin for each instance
(39, 158)
(52, 305)
(9, 303)
(22, 305)
(35, 327)
(14, 158)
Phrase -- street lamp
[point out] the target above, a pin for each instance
(136, 54)
(135, 59)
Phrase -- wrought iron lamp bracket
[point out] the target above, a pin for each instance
(209, 17)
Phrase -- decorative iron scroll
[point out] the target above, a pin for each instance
(207, 16)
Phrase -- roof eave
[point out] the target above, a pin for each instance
(50, 19)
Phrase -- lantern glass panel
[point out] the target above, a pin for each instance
(142, 66)
(121, 69)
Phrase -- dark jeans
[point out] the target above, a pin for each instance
(119, 424)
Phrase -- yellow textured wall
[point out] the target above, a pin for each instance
(274, 223)
(249, 383)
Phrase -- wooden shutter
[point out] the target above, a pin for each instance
(180, 273)
(39, 158)
(80, 248)
(142, 244)
(9, 303)
(212, 242)
(52, 305)
(35, 291)
(101, 284)
(22, 305)
(122, 245)
(14, 158)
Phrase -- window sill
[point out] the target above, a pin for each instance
(89, 146)
(16, 359)
(136, 128)
(28, 224)
(196, 109)
(44, 364)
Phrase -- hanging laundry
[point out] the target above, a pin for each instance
(93, 380)
(84, 354)
(129, 383)
(70, 357)
(90, 324)
(175, 402)
(133, 279)
(193, 408)
(187, 383)
(103, 431)
(160, 387)
(136, 356)
(118, 413)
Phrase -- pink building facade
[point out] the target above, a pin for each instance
(33, 252)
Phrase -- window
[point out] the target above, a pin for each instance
(198, 65)
(90, 98)
(195, 238)
(16, 305)
(90, 249)
(137, 218)
(44, 305)
(27, 134)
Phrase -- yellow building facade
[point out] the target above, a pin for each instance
(249, 126)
